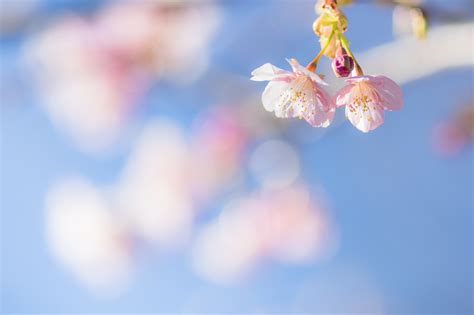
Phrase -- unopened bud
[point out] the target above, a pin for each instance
(328, 20)
(342, 64)
(419, 22)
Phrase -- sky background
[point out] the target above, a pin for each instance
(404, 213)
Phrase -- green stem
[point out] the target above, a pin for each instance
(313, 64)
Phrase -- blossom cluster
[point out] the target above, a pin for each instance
(163, 201)
(301, 93)
(93, 72)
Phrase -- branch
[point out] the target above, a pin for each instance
(409, 59)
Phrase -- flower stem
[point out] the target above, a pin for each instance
(345, 44)
(313, 64)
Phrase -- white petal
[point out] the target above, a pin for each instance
(299, 68)
(269, 72)
(273, 93)
(368, 119)
(323, 109)
(391, 93)
(295, 100)
(302, 98)
(343, 97)
(322, 119)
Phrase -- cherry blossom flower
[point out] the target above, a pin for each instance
(366, 98)
(295, 94)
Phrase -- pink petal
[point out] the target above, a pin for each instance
(322, 119)
(326, 101)
(343, 97)
(391, 93)
(269, 72)
(321, 113)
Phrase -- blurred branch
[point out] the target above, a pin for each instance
(409, 59)
(433, 11)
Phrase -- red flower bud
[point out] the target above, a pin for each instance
(342, 64)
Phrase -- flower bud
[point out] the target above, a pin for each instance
(342, 64)
(328, 20)
(318, 26)
(419, 23)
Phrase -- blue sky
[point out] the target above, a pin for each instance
(404, 213)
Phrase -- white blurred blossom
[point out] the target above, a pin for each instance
(86, 237)
(284, 224)
(218, 142)
(154, 192)
(170, 176)
(86, 93)
(93, 71)
(229, 248)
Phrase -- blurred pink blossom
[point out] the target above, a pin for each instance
(170, 176)
(92, 72)
(156, 199)
(86, 93)
(448, 138)
(451, 136)
(154, 194)
(219, 139)
(284, 224)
